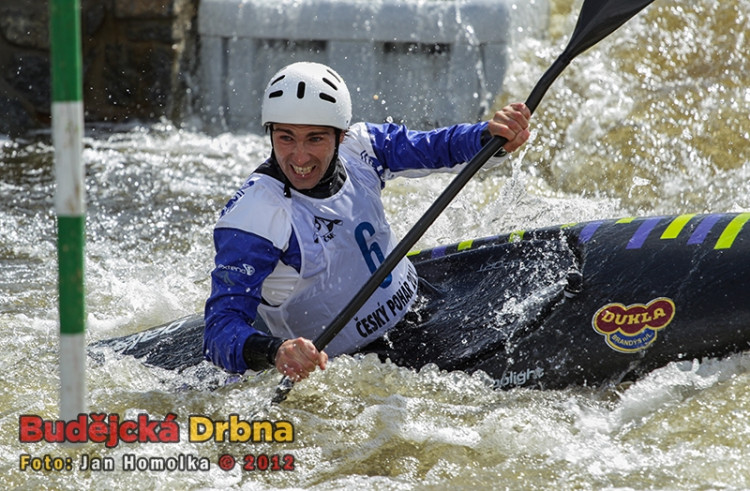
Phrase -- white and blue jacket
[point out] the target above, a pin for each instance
(297, 260)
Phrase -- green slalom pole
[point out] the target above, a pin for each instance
(67, 134)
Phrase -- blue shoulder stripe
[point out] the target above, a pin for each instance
(400, 149)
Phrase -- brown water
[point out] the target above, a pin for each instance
(655, 119)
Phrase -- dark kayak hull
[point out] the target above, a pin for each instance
(584, 304)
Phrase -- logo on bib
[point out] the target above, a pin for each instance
(324, 228)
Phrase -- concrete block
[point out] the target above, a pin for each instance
(421, 62)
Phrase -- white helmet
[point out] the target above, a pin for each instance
(307, 93)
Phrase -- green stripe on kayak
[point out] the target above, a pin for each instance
(674, 228)
(733, 229)
(466, 244)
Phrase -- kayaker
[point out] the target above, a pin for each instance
(308, 227)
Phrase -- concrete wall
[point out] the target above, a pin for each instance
(419, 61)
(424, 63)
(137, 60)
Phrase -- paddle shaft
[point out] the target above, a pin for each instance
(432, 213)
(406, 244)
(590, 29)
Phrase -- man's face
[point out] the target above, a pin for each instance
(303, 152)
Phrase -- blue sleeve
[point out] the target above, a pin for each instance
(243, 262)
(399, 148)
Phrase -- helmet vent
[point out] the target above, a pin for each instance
(331, 84)
(300, 90)
(279, 79)
(333, 74)
(274, 94)
(328, 98)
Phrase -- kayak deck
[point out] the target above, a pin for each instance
(582, 304)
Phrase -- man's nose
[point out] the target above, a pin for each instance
(300, 153)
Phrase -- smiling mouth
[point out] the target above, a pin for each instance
(302, 171)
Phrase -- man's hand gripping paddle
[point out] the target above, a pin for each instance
(598, 19)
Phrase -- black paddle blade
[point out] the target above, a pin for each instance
(282, 390)
(597, 20)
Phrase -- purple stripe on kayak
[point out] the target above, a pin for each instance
(702, 230)
(439, 251)
(588, 231)
(640, 235)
